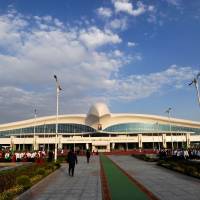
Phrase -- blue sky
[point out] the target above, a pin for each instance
(136, 56)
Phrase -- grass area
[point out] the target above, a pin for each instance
(121, 187)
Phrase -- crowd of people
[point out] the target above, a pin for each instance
(178, 154)
(7, 155)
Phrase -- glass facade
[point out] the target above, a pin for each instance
(49, 128)
(143, 127)
(80, 128)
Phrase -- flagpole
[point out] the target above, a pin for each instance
(56, 145)
(58, 88)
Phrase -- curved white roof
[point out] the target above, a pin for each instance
(99, 110)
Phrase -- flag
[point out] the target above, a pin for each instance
(59, 87)
(191, 83)
(57, 83)
(168, 110)
(55, 77)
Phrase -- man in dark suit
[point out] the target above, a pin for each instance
(88, 155)
(72, 160)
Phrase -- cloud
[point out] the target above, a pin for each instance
(94, 37)
(35, 48)
(151, 8)
(131, 44)
(118, 24)
(142, 86)
(174, 2)
(126, 6)
(104, 12)
(31, 54)
(123, 6)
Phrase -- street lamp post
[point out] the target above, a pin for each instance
(196, 84)
(170, 127)
(58, 88)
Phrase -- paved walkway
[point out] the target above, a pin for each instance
(85, 185)
(164, 183)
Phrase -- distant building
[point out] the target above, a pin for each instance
(100, 130)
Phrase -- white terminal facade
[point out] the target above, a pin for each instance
(100, 130)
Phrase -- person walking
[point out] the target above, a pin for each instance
(72, 160)
(88, 155)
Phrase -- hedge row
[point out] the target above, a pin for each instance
(187, 167)
(146, 157)
(15, 181)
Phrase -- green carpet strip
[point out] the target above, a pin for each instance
(120, 186)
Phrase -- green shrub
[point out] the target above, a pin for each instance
(22, 178)
(36, 178)
(61, 159)
(11, 193)
(147, 157)
(16, 189)
(189, 170)
(6, 181)
(57, 164)
(24, 181)
(7, 195)
(40, 171)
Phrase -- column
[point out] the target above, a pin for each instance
(164, 140)
(35, 143)
(140, 140)
(188, 139)
(93, 148)
(60, 145)
(12, 143)
(113, 145)
(108, 147)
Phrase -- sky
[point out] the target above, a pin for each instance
(135, 56)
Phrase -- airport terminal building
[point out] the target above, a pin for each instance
(100, 130)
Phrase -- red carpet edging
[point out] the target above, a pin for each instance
(137, 183)
(104, 184)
